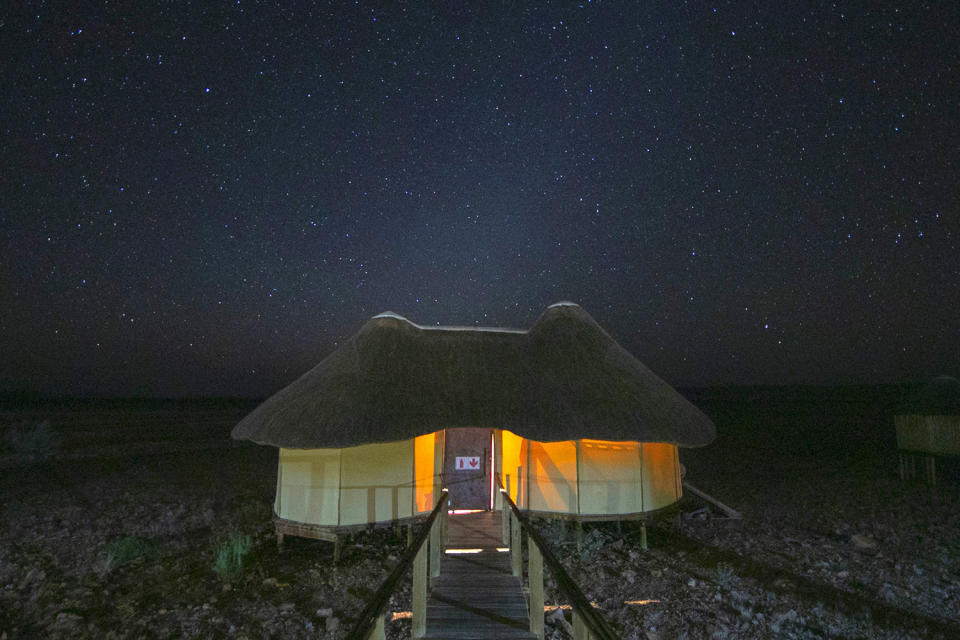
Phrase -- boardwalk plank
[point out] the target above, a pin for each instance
(476, 596)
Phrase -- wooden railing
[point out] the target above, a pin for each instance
(588, 622)
(424, 555)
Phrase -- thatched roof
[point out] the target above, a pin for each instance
(939, 397)
(563, 379)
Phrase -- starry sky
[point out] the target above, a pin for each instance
(206, 198)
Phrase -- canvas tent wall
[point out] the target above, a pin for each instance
(590, 479)
(928, 425)
(349, 486)
(596, 425)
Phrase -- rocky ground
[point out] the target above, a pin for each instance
(113, 517)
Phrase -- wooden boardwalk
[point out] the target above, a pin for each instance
(476, 596)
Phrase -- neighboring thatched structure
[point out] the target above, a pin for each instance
(928, 425)
(574, 423)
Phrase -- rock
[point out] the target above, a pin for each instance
(287, 607)
(270, 582)
(34, 575)
(67, 621)
(333, 623)
(692, 582)
(326, 612)
(863, 542)
(227, 587)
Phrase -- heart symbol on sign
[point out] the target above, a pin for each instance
(474, 463)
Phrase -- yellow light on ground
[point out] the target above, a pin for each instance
(460, 512)
(567, 607)
(401, 615)
(455, 552)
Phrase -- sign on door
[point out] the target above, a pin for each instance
(468, 463)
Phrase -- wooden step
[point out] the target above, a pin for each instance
(476, 596)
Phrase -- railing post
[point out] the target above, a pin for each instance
(444, 528)
(378, 632)
(371, 623)
(535, 576)
(505, 523)
(436, 548)
(580, 629)
(420, 593)
(516, 548)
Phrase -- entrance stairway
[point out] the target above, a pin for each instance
(476, 595)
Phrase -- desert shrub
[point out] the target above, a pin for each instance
(593, 542)
(127, 550)
(230, 555)
(724, 575)
(30, 439)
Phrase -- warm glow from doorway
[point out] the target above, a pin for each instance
(567, 607)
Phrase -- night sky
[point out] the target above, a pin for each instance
(205, 198)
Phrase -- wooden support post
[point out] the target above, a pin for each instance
(419, 627)
(409, 534)
(731, 513)
(643, 535)
(535, 576)
(379, 629)
(520, 502)
(444, 529)
(516, 548)
(279, 542)
(436, 552)
(579, 537)
(505, 515)
(580, 629)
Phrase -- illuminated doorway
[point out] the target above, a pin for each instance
(468, 468)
